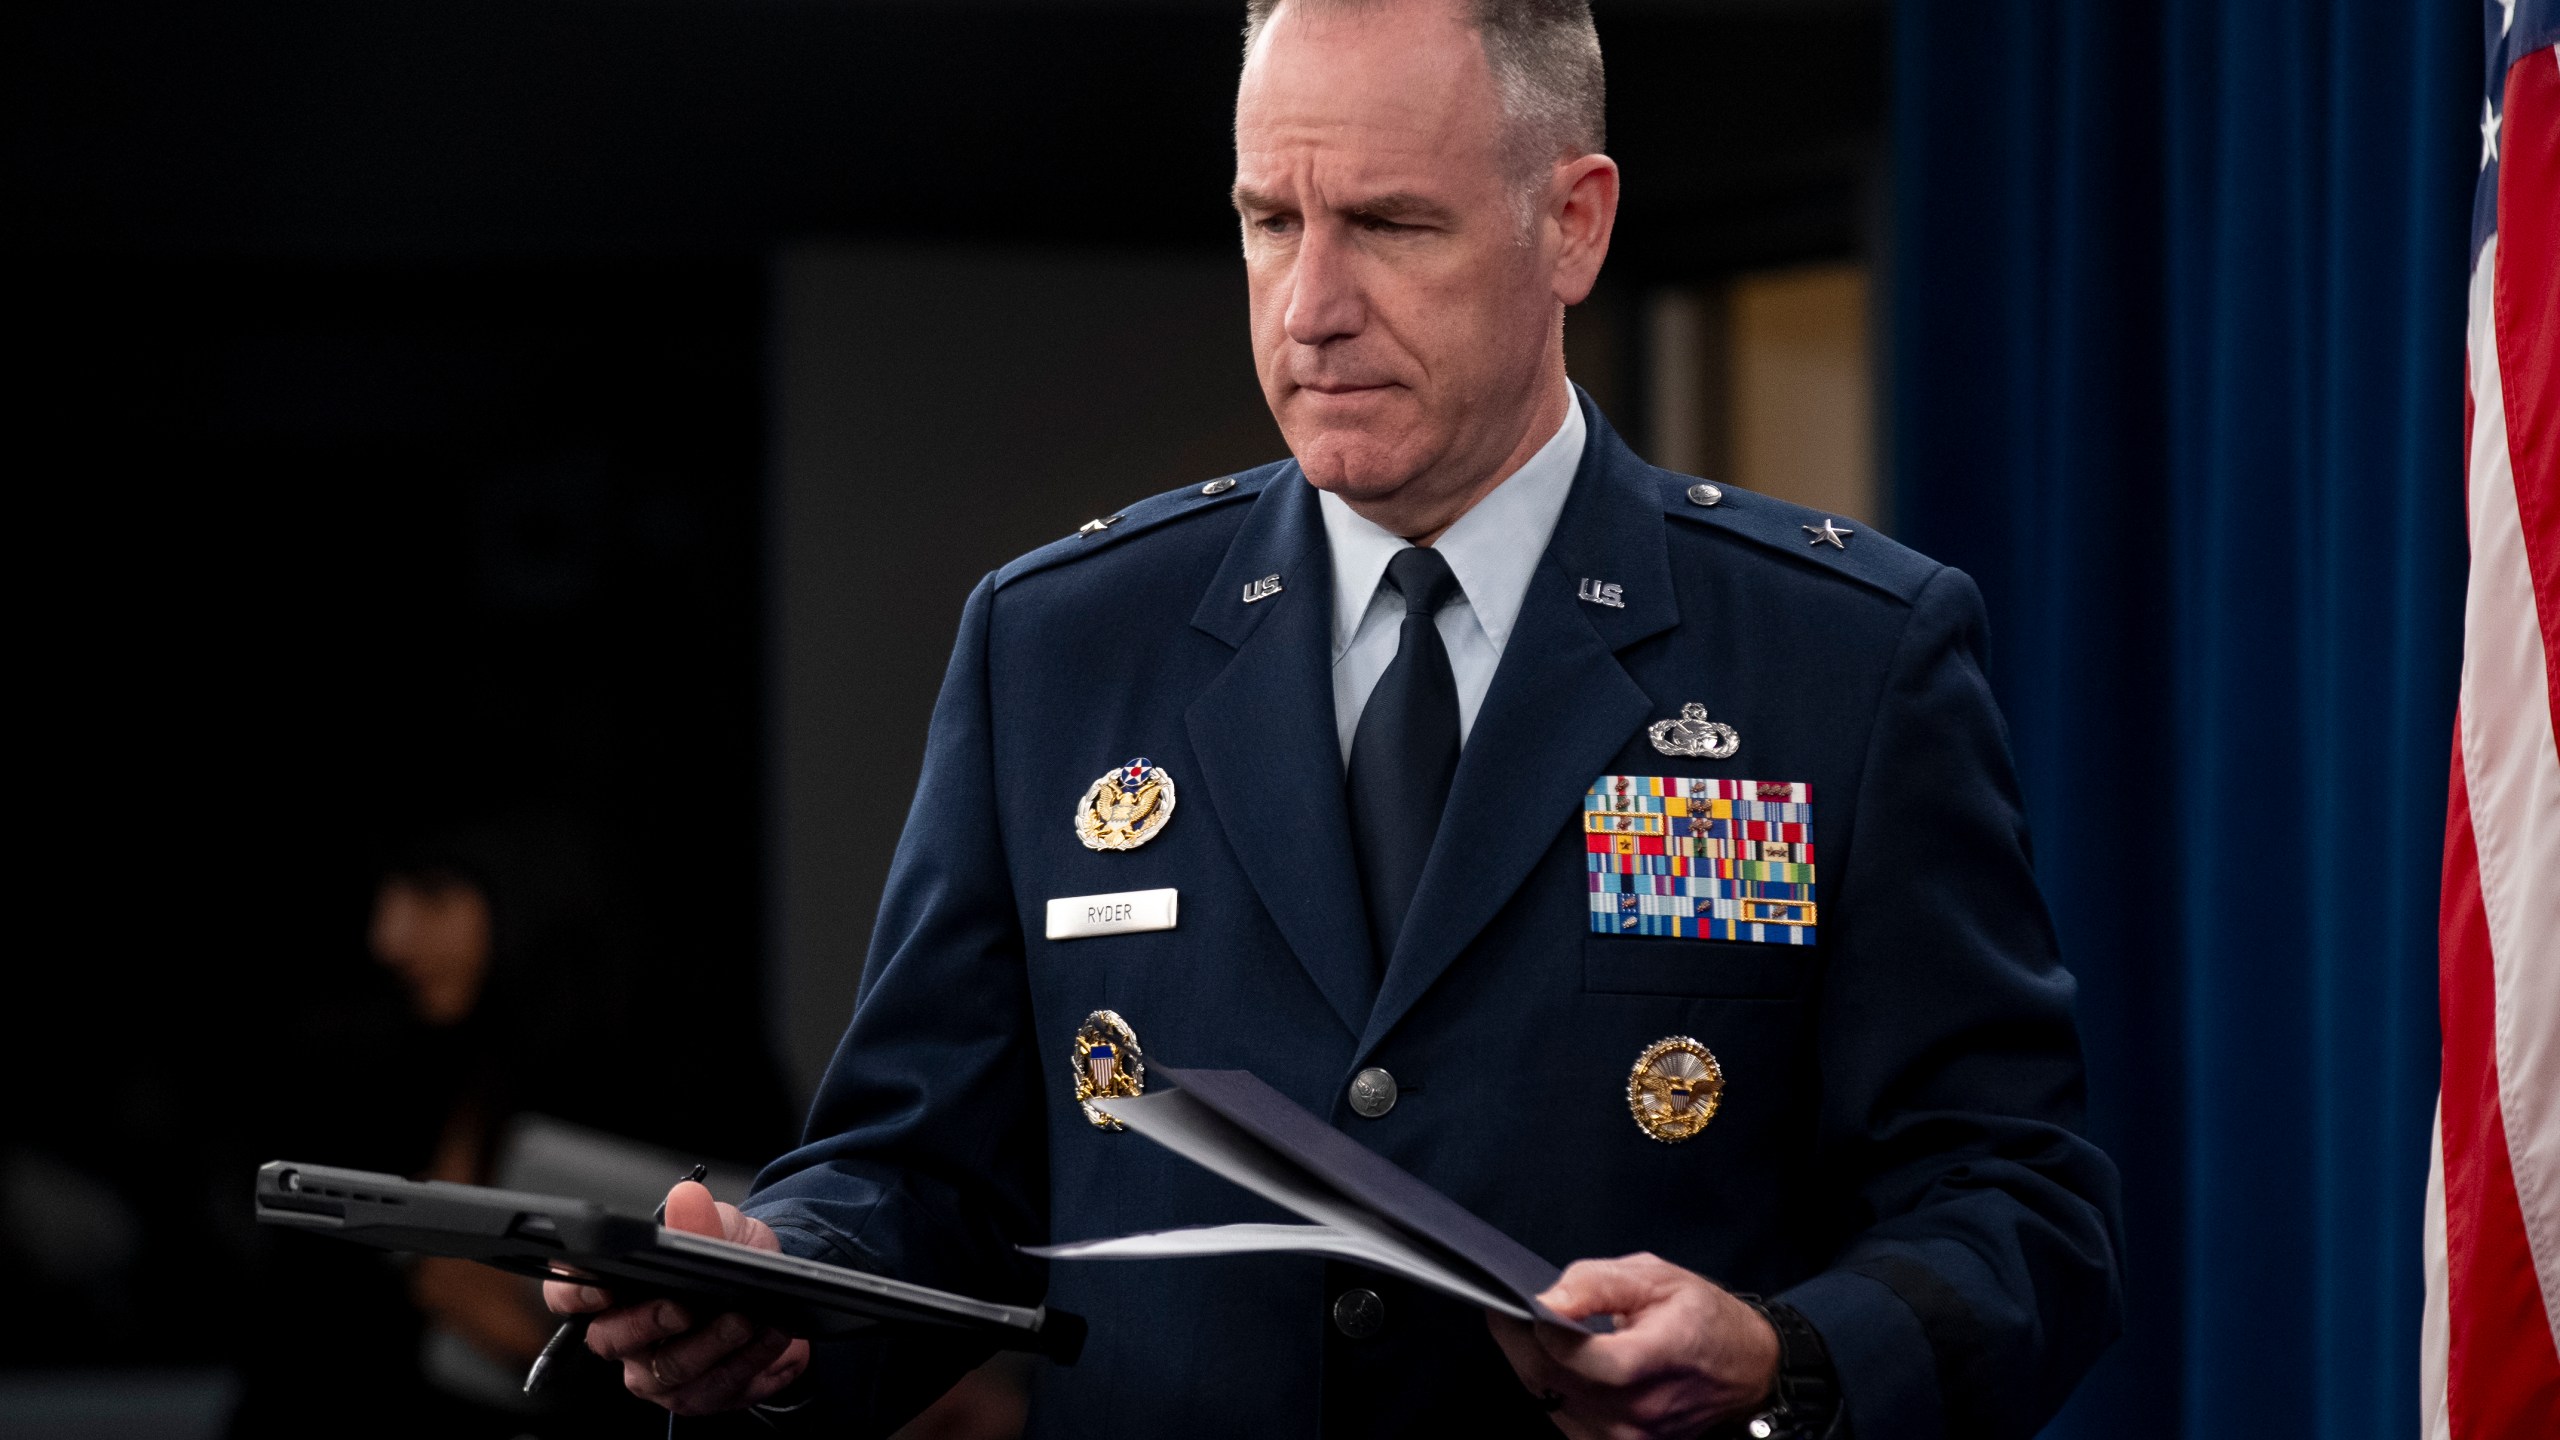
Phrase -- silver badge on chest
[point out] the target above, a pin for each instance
(1694, 735)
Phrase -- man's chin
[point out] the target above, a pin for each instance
(1359, 475)
(1354, 462)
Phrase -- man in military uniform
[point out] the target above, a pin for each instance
(1634, 859)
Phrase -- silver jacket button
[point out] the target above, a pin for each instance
(1359, 1314)
(1703, 493)
(1373, 1093)
(1219, 486)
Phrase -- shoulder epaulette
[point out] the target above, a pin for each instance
(1853, 551)
(1110, 532)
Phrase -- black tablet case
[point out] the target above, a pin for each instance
(550, 1237)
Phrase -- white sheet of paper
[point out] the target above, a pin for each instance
(1268, 1239)
(1342, 1229)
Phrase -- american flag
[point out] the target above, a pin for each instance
(2491, 1351)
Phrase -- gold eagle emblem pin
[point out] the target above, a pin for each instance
(1675, 1088)
(1108, 1065)
(1125, 808)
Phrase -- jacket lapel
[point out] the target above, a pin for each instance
(1268, 751)
(1559, 708)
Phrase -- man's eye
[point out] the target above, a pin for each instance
(1380, 226)
(1276, 224)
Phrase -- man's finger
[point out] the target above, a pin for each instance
(1599, 1360)
(629, 1330)
(691, 1209)
(686, 1358)
(1588, 1360)
(726, 1386)
(1605, 1287)
(777, 1377)
(567, 1297)
(1538, 1370)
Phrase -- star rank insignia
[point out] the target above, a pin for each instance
(1126, 808)
(1830, 532)
(1107, 1064)
(1675, 1089)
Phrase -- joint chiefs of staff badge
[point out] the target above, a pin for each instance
(1108, 1065)
(1124, 809)
(1675, 1088)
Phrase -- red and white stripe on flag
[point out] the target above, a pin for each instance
(2491, 1361)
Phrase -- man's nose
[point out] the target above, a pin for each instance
(1324, 292)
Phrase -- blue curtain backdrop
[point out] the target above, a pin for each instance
(2177, 375)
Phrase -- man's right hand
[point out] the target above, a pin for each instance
(667, 1359)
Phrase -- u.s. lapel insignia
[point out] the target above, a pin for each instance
(1675, 1088)
(1108, 1065)
(1694, 735)
(1126, 808)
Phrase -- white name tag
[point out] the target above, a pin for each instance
(1080, 917)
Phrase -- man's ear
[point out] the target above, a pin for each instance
(1582, 213)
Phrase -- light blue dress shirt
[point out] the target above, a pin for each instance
(1493, 549)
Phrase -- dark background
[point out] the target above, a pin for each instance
(430, 412)
(699, 128)
(398, 443)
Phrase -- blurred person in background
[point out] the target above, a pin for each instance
(526, 976)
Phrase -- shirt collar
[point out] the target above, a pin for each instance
(1492, 549)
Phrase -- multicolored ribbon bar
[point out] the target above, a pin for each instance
(1688, 857)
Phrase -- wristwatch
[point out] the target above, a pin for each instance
(1805, 1402)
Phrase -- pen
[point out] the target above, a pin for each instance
(574, 1329)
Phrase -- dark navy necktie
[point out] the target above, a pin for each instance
(1405, 750)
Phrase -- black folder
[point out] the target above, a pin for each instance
(552, 1238)
(1362, 1206)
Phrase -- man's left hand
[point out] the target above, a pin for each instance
(1686, 1354)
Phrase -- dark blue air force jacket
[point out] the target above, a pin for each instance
(1897, 1153)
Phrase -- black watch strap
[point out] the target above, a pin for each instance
(1806, 1401)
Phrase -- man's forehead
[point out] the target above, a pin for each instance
(1400, 83)
(1345, 166)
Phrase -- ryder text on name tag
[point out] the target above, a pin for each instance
(1080, 917)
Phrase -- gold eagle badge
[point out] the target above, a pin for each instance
(1125, 808)
(1675, 1088)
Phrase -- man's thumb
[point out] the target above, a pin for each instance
(690, 1208)
(1593, 1287)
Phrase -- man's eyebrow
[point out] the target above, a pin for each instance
(1394, 205)
(1398, 205)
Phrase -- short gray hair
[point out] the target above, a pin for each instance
(1545, 57)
